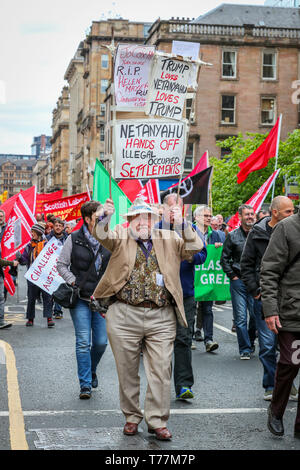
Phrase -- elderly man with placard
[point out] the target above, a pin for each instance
(142, 284)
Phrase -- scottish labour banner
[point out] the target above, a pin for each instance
(211, 283)
(67, 208)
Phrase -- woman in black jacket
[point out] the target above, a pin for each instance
(82, 262)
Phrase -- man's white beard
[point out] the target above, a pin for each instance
(143, 234)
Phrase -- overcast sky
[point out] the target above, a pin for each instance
(37, 41)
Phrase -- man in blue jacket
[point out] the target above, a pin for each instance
(205, 318)
(183, 371)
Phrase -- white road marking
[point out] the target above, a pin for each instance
(193, 411)
(220, 327)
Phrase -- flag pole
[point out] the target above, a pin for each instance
(277, 150)
(113, 96)
(210, 183)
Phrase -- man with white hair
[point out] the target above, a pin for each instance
(142, 280)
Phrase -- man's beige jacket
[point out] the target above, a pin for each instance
(169, 248)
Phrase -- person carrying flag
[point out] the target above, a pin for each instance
(4, 262)
(31, 252)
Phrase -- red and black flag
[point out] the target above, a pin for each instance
(193, 190)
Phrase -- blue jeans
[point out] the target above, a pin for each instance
(207, 320)
(57, 308)
(91, 340)
(242, 302)
(267, 347)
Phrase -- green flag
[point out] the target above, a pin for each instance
(101, 193)
(211, 283)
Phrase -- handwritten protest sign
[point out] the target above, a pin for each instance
(168, 85)
(149, 148)
(191, 50)
(43, 272)
(131, 75)
(67, 208)
(211, 283)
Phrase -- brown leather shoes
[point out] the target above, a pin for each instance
(130, 429)
(162, 434)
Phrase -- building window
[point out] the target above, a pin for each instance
(269, 66)
(102, 134)
(146, 29)
(268, 111)
(229, 64)
(102, 109)
(104, 61)
(101, 155)
(228, 109)
(189, 157)
(104, 85)
(188, 107)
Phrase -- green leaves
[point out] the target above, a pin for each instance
(227, 195)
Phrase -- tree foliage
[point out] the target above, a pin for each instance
(227, 195)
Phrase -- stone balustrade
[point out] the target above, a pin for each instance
(175, 27)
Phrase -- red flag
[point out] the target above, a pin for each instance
(131, 188)
(18, 229)
(150, 192)
(202, 165)
(29, 195)
(8, 281)
(260, 158)
(16, 235)
(256, 201)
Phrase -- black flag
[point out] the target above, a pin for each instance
(193, 190)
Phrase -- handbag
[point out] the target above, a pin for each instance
(67, 295)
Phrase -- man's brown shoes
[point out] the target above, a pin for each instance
(130, 429)
(162, 434)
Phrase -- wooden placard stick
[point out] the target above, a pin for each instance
(189, 122)
(113, 94)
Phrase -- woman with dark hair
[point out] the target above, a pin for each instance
(82, 263)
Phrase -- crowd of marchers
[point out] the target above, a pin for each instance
(135, 285)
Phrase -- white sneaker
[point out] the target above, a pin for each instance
(268, 395)
(294, 394)
(5, 325)
(245, 356)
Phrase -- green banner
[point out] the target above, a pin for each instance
(211, 283)
(101, 193)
